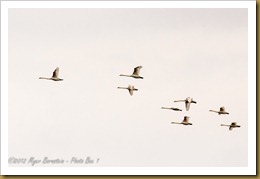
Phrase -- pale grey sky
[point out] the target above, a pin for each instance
(198, 53)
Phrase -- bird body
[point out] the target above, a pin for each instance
(135, 73)
(187, 101)
(231, 126)
(130, 88)
(54, 76)
(221, 111)
(184, 122)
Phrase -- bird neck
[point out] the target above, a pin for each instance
(176, 123)
(213, 111)
(125, 75)
(45, 78)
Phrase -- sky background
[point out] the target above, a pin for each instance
(198, 53)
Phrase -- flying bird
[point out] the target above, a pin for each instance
(184, 122)
(174, 109)
(130, 88)
(187, 101)
(221, 111)
(54, 76)
(135, 73)
(231, 126)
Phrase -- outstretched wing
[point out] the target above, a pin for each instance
(176, 109)
(130, 92)
(186, 119)
(187, 105)
(55, 73)
(222, 108)
(233, 124)
(137, 70)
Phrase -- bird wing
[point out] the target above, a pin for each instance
(193, 101)
(222, 108)
(137, 70)
(55, 73)
(233, 123)
(230, 128)
(187, 105)
(186, 119)
(130, 92)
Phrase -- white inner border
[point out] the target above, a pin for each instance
(250, 170)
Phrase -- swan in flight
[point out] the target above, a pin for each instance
(184, 122)
(54, 76)
(175, 109)
(130, 88)
(135, 73)
(231, 126)
(221, 111)
(187, 101)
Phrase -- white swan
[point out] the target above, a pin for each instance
(187, 101)
(54, 76)
(184, 122)
(135, 73)
(175, 109)
(221, 111)
(231, 126)
(130, 88)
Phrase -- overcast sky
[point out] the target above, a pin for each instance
(198, 53)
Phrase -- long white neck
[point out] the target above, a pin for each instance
(176, 123)
(45, 78)
(122, 88)
(213, 111)
(125, 75)
(179, 101)
(165, 108)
